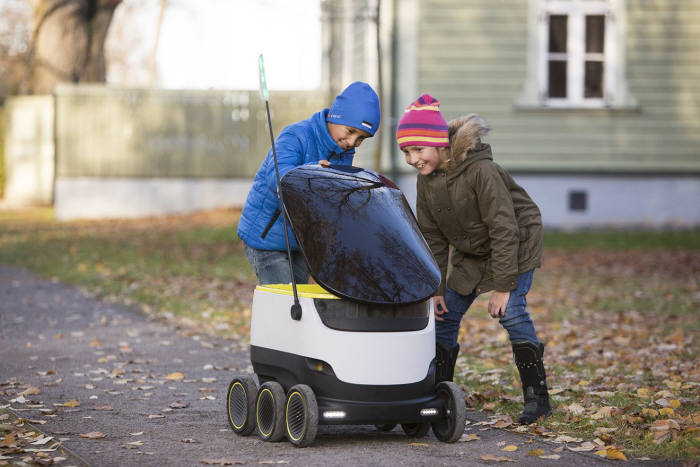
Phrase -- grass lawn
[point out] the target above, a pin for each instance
(618, 311)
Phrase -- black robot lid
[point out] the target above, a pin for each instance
(359, 235)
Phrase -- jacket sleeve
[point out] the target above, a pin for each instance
(290, 154)
(498, 214)
(437, 242)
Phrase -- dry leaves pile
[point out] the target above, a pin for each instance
(19, 442)
(621, 330)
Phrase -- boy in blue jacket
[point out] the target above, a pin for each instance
(329, 136)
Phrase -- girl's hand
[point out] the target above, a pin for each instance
(324, 163)
(497, 304)
(439, 307)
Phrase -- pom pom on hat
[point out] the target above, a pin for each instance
(423, 125)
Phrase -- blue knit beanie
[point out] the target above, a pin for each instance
(357, 106)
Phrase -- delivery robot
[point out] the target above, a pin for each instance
(358, 346)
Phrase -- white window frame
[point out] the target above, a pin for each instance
(615, 94)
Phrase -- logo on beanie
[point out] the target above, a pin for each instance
(367, 124)
(335, 116)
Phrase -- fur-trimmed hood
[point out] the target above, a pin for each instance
(465, 135)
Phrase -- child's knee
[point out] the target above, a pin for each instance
(515, 316)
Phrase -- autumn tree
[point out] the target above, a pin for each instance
(68, 38)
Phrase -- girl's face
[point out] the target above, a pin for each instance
(347, 137)
(426, 159)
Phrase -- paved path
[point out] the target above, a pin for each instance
(106, 356)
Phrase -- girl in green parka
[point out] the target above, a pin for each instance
(468, 201)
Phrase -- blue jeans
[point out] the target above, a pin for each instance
(272, 267)
(516, 319)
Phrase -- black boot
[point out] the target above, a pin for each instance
(445, 360)
(528, 359)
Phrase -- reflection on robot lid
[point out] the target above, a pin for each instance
(358, 235)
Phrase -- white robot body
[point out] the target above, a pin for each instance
(370, 358)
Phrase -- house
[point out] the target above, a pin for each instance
(594, 104)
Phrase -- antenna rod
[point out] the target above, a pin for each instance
(296, 307)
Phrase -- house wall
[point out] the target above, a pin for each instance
(29, 150)
(473, 56)
(613, 201)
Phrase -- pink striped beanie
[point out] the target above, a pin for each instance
(422, 124)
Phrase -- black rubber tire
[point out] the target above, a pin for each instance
(386, 427)
(450, 429)
(301, 416)
(269, 411)
(240, 404)
(416, 430)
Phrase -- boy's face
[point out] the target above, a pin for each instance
(425, 159)
(347, 137)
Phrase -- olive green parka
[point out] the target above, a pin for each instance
(494, 227)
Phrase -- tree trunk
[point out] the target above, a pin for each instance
(68, 41)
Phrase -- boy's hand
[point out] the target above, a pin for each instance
(439, 307)
(324, 163)
(497, 304)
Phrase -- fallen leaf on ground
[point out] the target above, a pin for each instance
(673, 384)
(42, 440)
(179, 405)
(510, 448)
(567, 439)
(603, 412)
(71, 403)
(177, 376)
(418, 444)
(536, 452)
(9, 440)
(584, 447)
(553, 457)
(103, 408)
(665, 425)
(468, 437)
(221, 461)
(615, 454)
(504, 422)
(30, 391)
(611, 452)
(489, 457)
(93, 435)
(575, 409)
(156, 416)
(189, 440)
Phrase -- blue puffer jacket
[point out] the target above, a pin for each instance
(302, 143)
